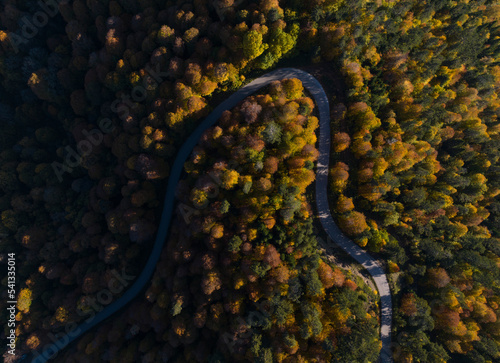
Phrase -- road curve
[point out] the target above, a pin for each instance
(372, 265)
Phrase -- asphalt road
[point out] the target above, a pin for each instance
(372, 265)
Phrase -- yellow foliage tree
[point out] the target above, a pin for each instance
(229, 179)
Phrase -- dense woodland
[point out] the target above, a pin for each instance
(242, 246)
(415, 176)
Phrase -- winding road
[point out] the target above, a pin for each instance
(372, 265)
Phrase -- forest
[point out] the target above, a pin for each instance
(96, 101)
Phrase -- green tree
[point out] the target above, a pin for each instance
(253, 45)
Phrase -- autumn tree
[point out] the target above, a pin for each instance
(353, 223)
(341, 141)
(339, 176)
